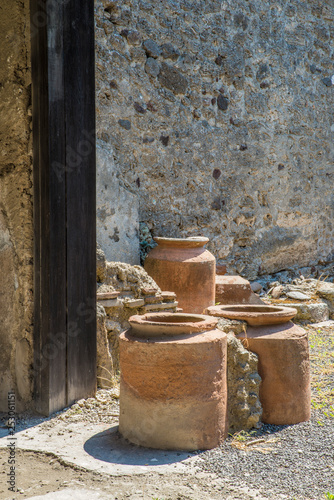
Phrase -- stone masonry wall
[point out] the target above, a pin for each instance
(243, 381)
(218, 118)
(124, 291)
(16, 224)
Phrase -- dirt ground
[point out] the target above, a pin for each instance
(40, 473)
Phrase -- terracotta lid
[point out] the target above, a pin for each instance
(254, 315)
(170, 324)
(192, 242)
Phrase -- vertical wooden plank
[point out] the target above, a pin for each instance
(38, 60)
(57, 203)
(81, 198)
(50, 321)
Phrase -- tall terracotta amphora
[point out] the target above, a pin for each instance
(183, 266)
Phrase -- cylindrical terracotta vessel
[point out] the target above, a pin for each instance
(186, 268)
(283, 360)
(173, 384)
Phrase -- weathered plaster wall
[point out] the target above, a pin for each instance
(219, 118)
(16, 227)
(117, 210)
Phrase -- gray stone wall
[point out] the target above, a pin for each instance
(16, 215)
(219, 119)
(117, 211)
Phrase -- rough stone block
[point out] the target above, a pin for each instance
(168, 296)
(323, 324)
(107, 295)
(160, 307)
(149, 291)
(104, 360)
(234, 290)
(326, 291)
(110, 302)
(155, 299)
(134, 303)
(314, 312)
(243, 385)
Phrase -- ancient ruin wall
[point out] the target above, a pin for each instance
(16, 225)
(218, 118)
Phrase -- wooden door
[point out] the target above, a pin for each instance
(63, 101)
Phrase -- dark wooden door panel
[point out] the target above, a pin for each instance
(62, 43)
(81, 197)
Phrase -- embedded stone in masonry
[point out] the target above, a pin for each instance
(164, 306)
(149, 291)
(107, 295)
(108, 299)
(172, 79)
(243, 383)
(134, 303)
(173, 387)
(298, 296)
(168, 296)
(153, 299)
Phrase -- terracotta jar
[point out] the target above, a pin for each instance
(173, 392)
(283, 359)
(186, 268)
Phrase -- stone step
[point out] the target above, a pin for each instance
(160, 307)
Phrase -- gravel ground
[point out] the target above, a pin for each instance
(288, 462)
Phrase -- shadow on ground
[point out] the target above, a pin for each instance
(22, 422)
(110, 446)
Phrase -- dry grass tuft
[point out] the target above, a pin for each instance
(322, 370)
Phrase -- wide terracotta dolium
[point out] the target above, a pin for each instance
(186, 268)
(283, 360)
(173, 393)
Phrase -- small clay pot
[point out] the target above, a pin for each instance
(173, 392)
(186, 268)
(254, 315)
